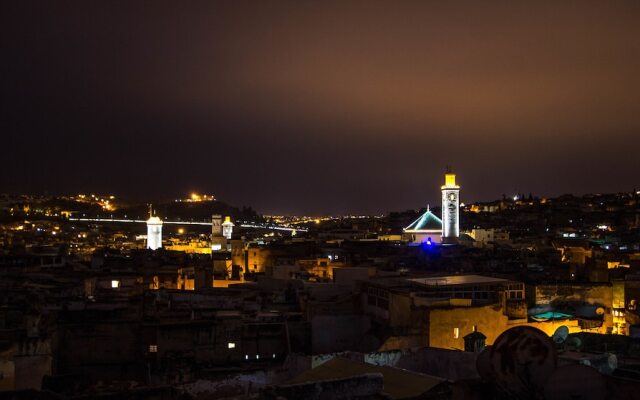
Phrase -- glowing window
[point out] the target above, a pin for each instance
(231, 345)
(115, 284)
(246, 356)
(456, 333)
(153, 348)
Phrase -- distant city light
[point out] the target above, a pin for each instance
(196, 198)
(115, 284)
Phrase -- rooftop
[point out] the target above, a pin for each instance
(427, 222)
(398, 383)
(452, 280)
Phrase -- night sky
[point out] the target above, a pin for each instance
(318, 107)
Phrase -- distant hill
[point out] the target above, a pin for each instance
(20, 206)
(191, 211)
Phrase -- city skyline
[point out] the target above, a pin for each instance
(320, 108)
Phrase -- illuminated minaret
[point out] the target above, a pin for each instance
(218, 241)
(450, 208)
(227, 228)
(154, 231)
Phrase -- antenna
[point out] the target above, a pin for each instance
(448, 169)
(150, 210)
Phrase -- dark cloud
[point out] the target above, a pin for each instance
(319, 106)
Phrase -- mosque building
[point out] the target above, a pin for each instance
(428, 228)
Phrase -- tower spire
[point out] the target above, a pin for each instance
(450, 207)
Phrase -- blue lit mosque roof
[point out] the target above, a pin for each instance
(427, 222)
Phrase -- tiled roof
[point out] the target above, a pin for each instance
(427, 222)
(398, 383)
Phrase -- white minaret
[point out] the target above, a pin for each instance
(450, 208)
(227, 228)
(154, 231)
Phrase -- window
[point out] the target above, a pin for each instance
(246, 356)
(231, 345)
(153, 348)
(115, 284)
(456, 333)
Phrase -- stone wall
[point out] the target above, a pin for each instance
(598, 294)
(443, 323)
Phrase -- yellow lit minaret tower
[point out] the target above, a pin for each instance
(450, 208)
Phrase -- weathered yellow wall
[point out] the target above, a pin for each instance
(588, 293)
(489, 320)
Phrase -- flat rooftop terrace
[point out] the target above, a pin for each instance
(455, 280)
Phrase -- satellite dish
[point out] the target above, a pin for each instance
(612, 360)
(522, 358)
(574, 341)
(560, 335)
